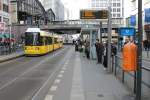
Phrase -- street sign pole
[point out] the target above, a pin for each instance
(139, 59)
(109, 36)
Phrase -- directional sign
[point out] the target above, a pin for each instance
(2, 26)
(126, 31)
(93, 14)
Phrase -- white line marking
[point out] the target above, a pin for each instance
(34, 97)
(53, 88)
(64, 68)
(49, 97)
(57, 81)
(60, 75)
(62, 71)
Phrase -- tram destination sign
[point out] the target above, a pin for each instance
(93, 14)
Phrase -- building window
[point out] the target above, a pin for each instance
(118, 9)
(118, 15)
(5, 8)
(114, 15)
(114, 4)
(118, 4)
(114, 10)
(0, 19)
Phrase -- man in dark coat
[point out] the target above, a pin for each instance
(99, 51)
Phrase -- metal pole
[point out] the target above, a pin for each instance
(100, 32)
(109, 37)
(139, 57)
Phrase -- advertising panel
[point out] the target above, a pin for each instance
(147, 15)
(133, 20)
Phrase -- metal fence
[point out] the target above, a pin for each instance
(6, 49)
(129, 78)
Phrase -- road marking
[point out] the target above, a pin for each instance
(49, 97)
(39, 91)
(60, 75)
(53, 88)
(57, 81)
(62, 71)
(64, 68)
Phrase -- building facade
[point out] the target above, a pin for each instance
(4, 11)
(56, 6)
(117, 15)
(27, 12)
(132, 20)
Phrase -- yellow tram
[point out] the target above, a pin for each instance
(39, 42)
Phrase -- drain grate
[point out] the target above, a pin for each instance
(100, 95)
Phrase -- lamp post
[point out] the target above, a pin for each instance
(109, 34)
(139, 59)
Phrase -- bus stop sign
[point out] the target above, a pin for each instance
(127, 31)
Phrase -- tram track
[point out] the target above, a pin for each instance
(27, 76)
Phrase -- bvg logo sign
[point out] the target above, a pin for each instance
(2, 26)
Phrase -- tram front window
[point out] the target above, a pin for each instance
(32, 39)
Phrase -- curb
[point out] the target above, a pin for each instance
(10, 58)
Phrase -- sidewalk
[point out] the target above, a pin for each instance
(83, 79)
(14, 55)
(99, 84)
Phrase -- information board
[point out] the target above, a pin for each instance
(93, 14)
(126, 31)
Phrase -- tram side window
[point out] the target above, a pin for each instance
(50, 40)
(55, 40)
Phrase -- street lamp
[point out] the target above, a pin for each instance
(109, 34)
(139, 59)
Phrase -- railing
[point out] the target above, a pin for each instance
(6, 49)
(118, 72)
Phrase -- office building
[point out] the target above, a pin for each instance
(117, 8)
(56, 6)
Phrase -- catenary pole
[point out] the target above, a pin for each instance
(139, 59)
(109, 35)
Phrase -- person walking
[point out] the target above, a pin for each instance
(99, 51)
(87, 49)
(105, 56)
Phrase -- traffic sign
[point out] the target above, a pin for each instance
(2, 26)
(94, 14)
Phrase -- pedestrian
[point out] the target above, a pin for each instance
(149, 45)
(76, 46)
(145, 43)
(105, 56)
(87, 49)
(99, 51)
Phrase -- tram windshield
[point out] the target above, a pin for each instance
(32, 39)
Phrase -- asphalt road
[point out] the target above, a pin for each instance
(24, 78)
